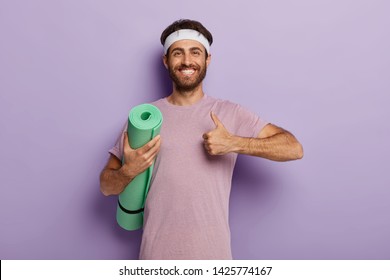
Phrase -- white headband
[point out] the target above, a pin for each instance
(186, 34)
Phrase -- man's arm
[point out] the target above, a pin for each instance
(115, 176)
(272, 143)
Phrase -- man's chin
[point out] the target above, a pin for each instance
(186, 88)
(187, 85)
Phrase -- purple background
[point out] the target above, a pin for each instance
(71, 70)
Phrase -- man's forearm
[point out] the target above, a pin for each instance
(113, 182)
(282, 146)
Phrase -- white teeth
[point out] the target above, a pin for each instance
(188, 72)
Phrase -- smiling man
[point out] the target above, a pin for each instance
(187, 76)
(186, 211)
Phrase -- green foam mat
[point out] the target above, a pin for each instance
(144, 124)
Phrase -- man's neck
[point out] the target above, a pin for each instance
(186, 98)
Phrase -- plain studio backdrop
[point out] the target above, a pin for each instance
(70, 71)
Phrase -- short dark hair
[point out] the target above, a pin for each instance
(186, 24)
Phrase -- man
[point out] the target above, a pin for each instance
(186, 211)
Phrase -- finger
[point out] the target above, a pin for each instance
(216, 121)
(126, 142)
(205, 136)
(208, 150)
(148, 161)
(153, 156)
(150, 144)
(153, 150)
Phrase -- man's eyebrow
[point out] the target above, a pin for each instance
(178, 49)
(196, 49)
(191, 49)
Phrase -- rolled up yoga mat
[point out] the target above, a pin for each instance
(143, 125)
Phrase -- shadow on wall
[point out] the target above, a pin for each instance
(253, 172)
(255, 187)
(105, 210)
(163, 82)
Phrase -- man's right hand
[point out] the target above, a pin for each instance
(136, 161)
(115, 176)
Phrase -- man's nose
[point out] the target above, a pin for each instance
(186, 59)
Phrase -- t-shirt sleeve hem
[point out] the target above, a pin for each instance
(260, 127)
(115, 152)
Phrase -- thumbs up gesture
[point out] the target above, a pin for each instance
(218, 141)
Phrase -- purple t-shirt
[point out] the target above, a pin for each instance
(187, 208)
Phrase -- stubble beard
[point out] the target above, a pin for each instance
(185, 85)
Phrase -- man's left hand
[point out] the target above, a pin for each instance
(218, 141)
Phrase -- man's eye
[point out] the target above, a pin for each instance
(176, 53)
(196, 52)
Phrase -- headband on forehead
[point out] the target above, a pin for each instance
(186, 34)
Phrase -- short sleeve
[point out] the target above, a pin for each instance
(248, 124)
(117, 150)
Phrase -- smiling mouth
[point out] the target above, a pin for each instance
(187, 72)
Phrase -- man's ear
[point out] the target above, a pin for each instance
(208, 60)
(165, 61)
